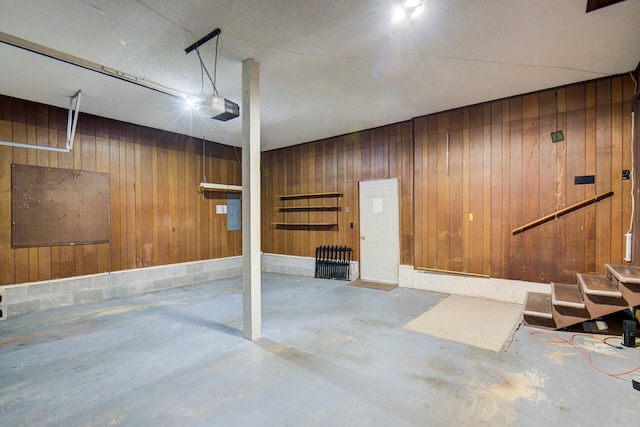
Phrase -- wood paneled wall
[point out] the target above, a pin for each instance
(635, 252)
(504, 172)
(335, 164)
(157, 214)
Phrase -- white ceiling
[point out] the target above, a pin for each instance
(328, 67)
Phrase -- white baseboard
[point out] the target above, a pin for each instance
(490, 288)
(299, 265)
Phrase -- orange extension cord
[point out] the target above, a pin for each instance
(560, 340)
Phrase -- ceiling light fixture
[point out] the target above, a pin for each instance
(409, 10)
(192, 102)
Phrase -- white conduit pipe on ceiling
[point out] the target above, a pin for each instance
(72, 122)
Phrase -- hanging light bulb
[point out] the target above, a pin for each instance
(410, 9)
(193, 102)
(399, 14)
(417, 11)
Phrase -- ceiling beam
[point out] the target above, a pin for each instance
(83, 63)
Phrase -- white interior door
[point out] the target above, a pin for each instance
(379, 230)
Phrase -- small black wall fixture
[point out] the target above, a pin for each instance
(557, 136)
(584, 179)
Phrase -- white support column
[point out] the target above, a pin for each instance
(251, 268)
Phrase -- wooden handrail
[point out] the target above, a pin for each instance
(461, 273)
(561, 212)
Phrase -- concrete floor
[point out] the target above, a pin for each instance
(331, 355)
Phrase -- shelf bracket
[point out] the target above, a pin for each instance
(72, 123)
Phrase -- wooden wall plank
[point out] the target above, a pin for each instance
(486, 214)
(44, 263)
(102, 151)
(122, 193)
(433, 173)
(89, 258)
(455, 191)
(86, 255)
(575, 142)
(466, 212)
(617, 233)
(161, 199)
(130, 194)
(507, 223)
(137, 191)
(496, 167)
(517, 256)
(603, 170)
(406, 178)
(562, 181)
(114, 198)
(67, 262)
(590, 169)
(79, 260)
(530, 181)
(547, 200)
(477, 198)
(172, 190)
(146, 202)
(190, 189)
(443, 255)
(421, 172)
(164, 223)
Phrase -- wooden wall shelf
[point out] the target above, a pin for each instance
(304, 224)
(309, 195)
(309, 208)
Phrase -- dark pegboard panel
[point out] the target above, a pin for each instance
(55, 207)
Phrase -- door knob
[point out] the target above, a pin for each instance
(361, 237)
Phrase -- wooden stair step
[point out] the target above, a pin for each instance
(567, 316)
(566, 295)
(624, 273)
(592, 284)
(538, 305)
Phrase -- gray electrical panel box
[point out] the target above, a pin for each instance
(234, 212)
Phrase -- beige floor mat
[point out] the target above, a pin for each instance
(474, 321)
